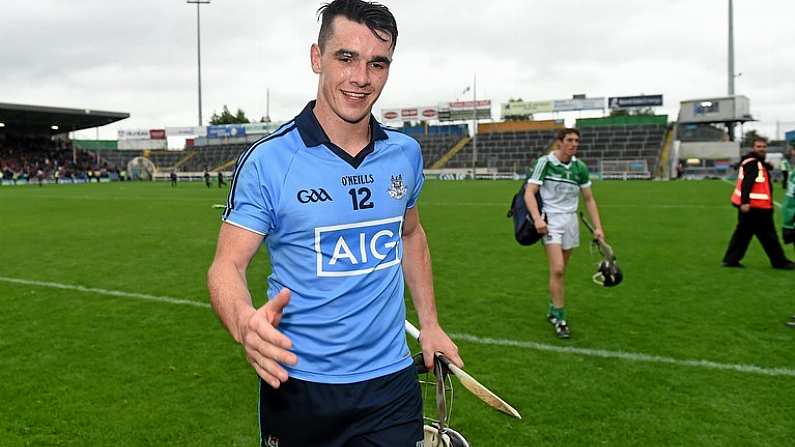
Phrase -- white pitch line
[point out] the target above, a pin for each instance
(631, 356)
(140, 296)
(621, 355)
(628, 205)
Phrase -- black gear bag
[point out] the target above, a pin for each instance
(524, 229)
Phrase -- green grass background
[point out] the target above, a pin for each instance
(86, 369)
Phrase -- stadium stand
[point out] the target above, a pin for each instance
(34, 144)
(213, 157)
(627, 150)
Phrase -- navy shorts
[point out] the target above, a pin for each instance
(385, 411)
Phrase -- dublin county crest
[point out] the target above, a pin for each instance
(396, 187)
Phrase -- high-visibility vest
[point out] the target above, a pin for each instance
(760, 191)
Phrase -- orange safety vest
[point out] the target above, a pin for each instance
(760, 193)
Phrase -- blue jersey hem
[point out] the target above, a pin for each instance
(351, 378)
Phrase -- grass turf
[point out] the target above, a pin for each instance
(80, 368)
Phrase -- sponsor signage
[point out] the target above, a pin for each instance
(157, 134)
(138, 145)
(624, 102)
(185, 131)
(226, 131)
(469, 105)
(134, 134)
(463, 110)
(522, 108)
(429, 113)
(425, 113)
(390, 114)
(261, 128)
(568, 105)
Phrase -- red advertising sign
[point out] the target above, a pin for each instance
(157, 134)
(409, 113)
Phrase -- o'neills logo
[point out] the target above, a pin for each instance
(362, 179)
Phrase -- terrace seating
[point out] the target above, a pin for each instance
(514, 151)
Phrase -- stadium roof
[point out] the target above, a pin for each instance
(28, 119)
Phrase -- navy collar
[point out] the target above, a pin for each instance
(313, 135)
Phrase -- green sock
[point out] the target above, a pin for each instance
(558, 313)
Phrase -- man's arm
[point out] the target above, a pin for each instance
(419, 278)
(593, 212)
(532, 207)
(750, 171)
(254, 329)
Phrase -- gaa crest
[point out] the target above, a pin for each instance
(272, 441)
(396, 187)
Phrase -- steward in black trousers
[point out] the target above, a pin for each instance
(753, 196)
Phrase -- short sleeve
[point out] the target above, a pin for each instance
(250, 205)
(584, 179)
(539, 171)
(415, 158)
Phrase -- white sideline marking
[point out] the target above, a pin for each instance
(628, 205)
(630, 356)
(140, 296)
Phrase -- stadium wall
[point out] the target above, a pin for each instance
(625, 120)
(519, 126)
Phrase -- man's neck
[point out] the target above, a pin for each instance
(562, 157)
(351, 137)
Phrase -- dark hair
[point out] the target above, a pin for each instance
(565, 131)
(375, 16)
(758, 138)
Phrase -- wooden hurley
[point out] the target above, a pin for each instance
(469, 382)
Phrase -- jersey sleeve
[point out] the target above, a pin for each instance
(250, 204)
(539, 171)
(415, 158)
(584, 179)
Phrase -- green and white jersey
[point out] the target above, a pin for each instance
(788, 207)
(785, 165)
(791, 185)
(560, 183)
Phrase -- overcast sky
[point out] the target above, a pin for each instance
(140, 56)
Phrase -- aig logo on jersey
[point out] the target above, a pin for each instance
(358, 249)
(313, 195)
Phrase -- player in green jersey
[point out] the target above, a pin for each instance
(561, 177)
(788, 220)
(787, 165)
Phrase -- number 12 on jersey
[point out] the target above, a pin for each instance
(360, 198)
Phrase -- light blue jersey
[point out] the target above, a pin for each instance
(333, 224)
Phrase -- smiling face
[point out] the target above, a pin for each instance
(353, 68)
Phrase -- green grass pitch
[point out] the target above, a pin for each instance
(682, 353)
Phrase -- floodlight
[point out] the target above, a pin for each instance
(54, 127)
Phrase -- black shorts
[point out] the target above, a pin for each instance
(385, 411)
